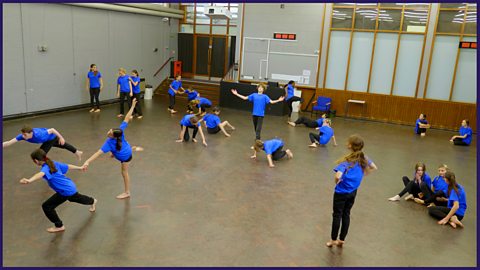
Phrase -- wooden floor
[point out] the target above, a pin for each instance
(214, 206)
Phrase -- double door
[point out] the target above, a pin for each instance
(210, 55)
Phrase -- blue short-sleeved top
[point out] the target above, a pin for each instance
(352, 175)
(461, 198)
(58, 181)
(466, 131)
(124, 83)
(40, 135)
(186, 121)
(136, 89)
(110, 145)
(211, 120)
(94, 80)
(272, 145)
(327, 134)
(259, 103)
(290, 92)
(175, 85)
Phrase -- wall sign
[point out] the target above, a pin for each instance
(284, 36)
(467, 45)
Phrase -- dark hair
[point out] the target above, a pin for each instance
(95, 72)
(26, 129)
(424, 115)
(216, 109)
(356, 143)
(421, 164)
(135, 71)
(117, 133)
(40, 155)
(467, 121)
(452, 182)
(176, 76)
(194, 119)
(289, 83)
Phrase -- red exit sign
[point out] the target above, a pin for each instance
(285, 36)
(467, 45)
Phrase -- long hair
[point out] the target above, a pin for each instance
(26, 129)
(356, 143)
(452, 182)
(95, 72)
(40, 155)
(467, 121)
(424, 168)
(289, 83)
(136, 72)
(117, 134)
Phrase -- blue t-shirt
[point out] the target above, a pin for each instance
(40, 135)
(420, 121)
(110, 145)
(186, 121)
(272, 145)
(175, 85)
(327, 134)
(211, 120)
(58, 181)
(203, 101)
(191, 95)
(439, 184)
(136, 89)
(94, 80)
(259, 102)
(461, 198)
(124, 83)
(468, 132)
(290, 90)
(320, 121)
(352, 175)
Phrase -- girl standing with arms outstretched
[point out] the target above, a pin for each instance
(95, 85)
(175, 88)
(124, 89)
(348, 177)
(290, 97)
(54, 173)
(120, 149)
(259, 100)
(135, 81)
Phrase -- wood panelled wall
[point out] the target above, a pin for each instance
(396, 109)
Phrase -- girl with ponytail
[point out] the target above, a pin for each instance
(120, 149)
(348, 176)
(54, 173)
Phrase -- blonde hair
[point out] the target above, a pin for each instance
(328, 121)
(258, 145)
(357, 155)
(122, 70)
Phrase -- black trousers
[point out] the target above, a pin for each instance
(49, 205)
(433, 199)
(421, 130)
(289, 104)
(440, 212)
(186, 136)
(427, 192)
(257, 125)
(279, 153)
(342, 204)
(172, 101)
(94, 95)
(124, 95)
(46, 146)
(410, 187)
(314, 137)
(458, 141)
(214, 130)
(138, 108)
(204, 107)
(307, 122)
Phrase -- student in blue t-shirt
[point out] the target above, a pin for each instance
(438, 190)
(191, 94)
(135, 81)
(47, 137)
(259, 100)
(65, 190)
(308, 122)
(214, 124)
(190, 121)
(273, 148)
(201, 103)
(465, 137)
(348, 177)
(175, 88)
(94, 85)
(421, 181)
(421, 125)
(120, 149)
(290, 97)
(124, 89)
(326, 133)
(456, 207)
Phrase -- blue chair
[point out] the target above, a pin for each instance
(322, 105)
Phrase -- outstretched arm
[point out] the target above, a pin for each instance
(61, 140)
(203, 136)
(92, 158)
(73, 167)
(234, 91)
(8, 143)
(280, 99)
(130, 112)
(33, 178)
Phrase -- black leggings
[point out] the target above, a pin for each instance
(279, 153)
(172, 101)
(138, 108)
(186, 136)
(94, 95)
(440, 212)
(314, 137)
(421, 130)
(257, 125)
(289, 103)
(342, 204)
(46, 146)
(433, 199)
(204, 107)
(124, 95)
(214, 130)
(410, 187)
(458, 141)
(49, 205)
(307, 122)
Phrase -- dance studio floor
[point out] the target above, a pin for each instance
(214, 206)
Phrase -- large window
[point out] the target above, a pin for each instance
(196, 22)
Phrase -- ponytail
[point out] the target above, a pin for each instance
(117, 133)
(357, 156)
(40, 155)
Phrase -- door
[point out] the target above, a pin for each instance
(210, 55)
(202, 54)
(217, 57)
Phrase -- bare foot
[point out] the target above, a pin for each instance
(452, 224)
(55, 229)
(331, 243)
(313, 145)
(455, 221)
(92, 208)
(140, 117)
(123, 195)
(233, 128)
(394, 198)
(79, 154)
(120, 115)
(227, 135)
(289, 153)
(420, 201)
(97, 110)
(431, 204)
(423, 134)
(92, 110)
(409, 197)
(137, 148)
(173, 111)
(194, 140)
(340, 243)
(291, 123)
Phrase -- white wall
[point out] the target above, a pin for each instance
(75, 38)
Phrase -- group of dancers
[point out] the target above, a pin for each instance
(444, 196)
